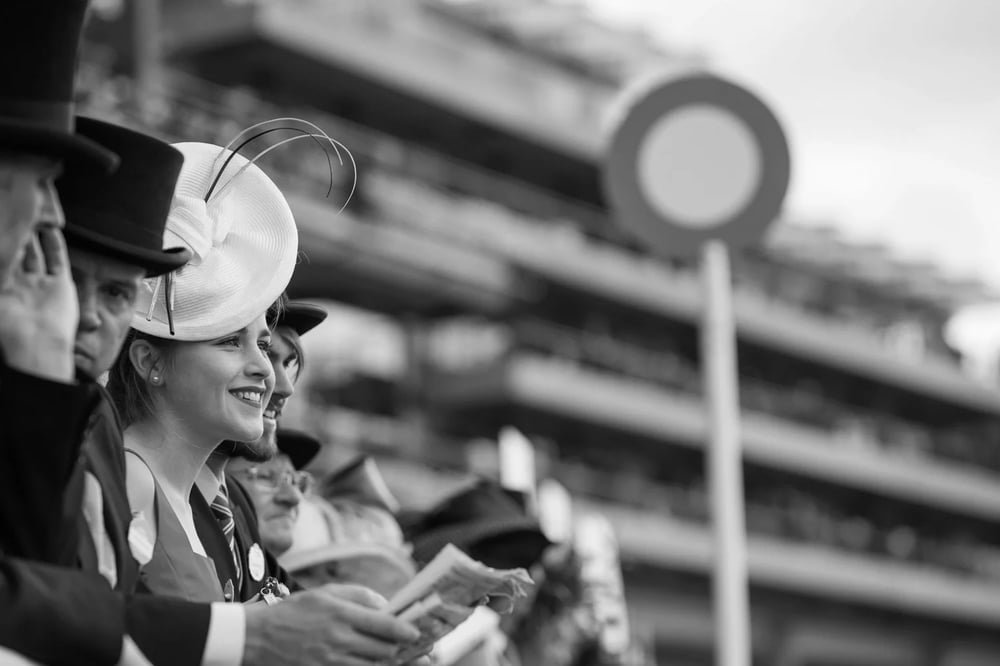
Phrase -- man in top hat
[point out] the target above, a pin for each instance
(248, 562)
(38, 40)
(115, 231)
(42, 603)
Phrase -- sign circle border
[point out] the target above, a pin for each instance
(629, 205)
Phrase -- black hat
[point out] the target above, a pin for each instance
(38, 46)
(301, 317)
(482, 518)
(298, 446)
(123, 215)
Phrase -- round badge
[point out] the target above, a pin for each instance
(694, 159)
(255, 562)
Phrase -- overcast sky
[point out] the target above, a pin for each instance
(892, 110)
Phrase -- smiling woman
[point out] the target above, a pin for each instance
(194, 370)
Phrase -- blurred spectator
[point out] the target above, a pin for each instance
(277, 486)
(347, 533)
(490, 524)
(486, 521)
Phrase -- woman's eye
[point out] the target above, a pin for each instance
(265, 345)
(234, 341)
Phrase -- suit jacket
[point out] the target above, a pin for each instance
(50, 614)
(45, 608)
(248, 543)
(43, 425)
(104, 457)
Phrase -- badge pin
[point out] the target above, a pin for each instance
(255, 562)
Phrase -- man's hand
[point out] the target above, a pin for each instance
(333, 624)
(39, 310)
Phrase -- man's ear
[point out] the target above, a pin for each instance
(147, 361)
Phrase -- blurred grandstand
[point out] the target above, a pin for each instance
(478, 254)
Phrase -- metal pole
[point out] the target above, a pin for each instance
(724, 461)
(146, 53)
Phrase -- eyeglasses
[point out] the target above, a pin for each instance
(272, 479)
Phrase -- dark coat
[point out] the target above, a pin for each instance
(47, 610)
(49, 614)
(39, 450)
(247, 540)
(104, 457)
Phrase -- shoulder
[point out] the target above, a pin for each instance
(139, 484)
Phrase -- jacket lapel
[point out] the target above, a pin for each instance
(213, 539)
(104, 458)
(247, 538)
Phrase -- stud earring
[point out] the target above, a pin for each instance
(155, 379)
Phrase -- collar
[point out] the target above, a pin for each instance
(208, 483)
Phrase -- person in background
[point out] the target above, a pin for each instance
(43, 409)
(485, 520)
(276, 487)
(347, 532)
(489, 523)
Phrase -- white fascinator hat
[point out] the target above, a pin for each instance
(242, 237)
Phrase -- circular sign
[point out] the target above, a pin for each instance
(694, 159)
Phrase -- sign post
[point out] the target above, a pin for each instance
(696, 167)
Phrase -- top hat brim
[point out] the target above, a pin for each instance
(301, 317)
(156, 262)
(466, 536)
(76, 151)
(298, 446)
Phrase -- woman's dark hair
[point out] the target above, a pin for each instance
(275, 310)
(295, 342)
(274, 322)
(129, 390)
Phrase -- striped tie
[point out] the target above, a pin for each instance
(224, 514)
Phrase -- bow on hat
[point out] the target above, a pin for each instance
(198, 225)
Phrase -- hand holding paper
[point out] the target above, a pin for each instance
(446, 592)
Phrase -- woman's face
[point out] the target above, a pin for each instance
(220, 387)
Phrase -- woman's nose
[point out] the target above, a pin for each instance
(258, 364)
(283, 386)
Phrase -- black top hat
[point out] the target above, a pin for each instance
(486, 522)
(38, 46)
(123, 215)
(301, 317)
(298, 446)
